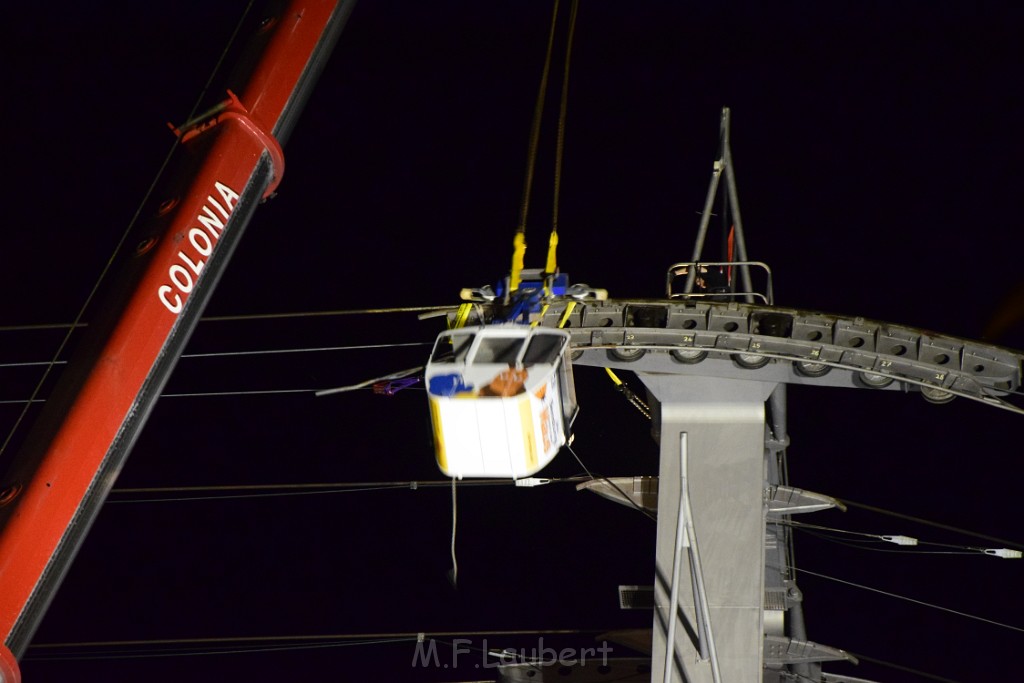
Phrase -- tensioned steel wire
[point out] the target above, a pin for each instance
(78, 324)
(124, 236)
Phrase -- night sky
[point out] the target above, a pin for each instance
(878, 154)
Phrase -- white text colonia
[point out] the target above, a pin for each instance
(185, 272)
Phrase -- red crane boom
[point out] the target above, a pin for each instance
(225, 164)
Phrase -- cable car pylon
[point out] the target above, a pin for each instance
(716, 359)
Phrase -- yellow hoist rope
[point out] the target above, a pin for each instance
(519, 242)
(560, 138)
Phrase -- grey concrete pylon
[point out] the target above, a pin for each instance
(723, 421)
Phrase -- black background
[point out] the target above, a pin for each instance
(877, 147)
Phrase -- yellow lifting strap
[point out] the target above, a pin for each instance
(561, 321)
(518, 255)
(543, 312)
(565, 316)
(551, 267)
(461, 316)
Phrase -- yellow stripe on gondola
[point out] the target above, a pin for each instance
(435, 419)
(529, 436)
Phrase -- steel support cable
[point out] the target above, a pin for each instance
(120, 243)
(266, 494)
(615, 486)
(926, 522)
(206, 394)
(881, 662)
(255, 352)
(867, 545)
(313, 314)
(314, 349)
(900, 667)
(991, 399)
(834, 535)
(247, 316)
(233, 491)
(221, 354)
(317, 642)
(155, 653)
(298, 641)
(915, 601)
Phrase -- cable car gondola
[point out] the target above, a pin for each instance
(502, 399)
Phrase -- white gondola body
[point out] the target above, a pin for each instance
(501, 399)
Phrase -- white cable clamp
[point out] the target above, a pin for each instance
(900, 540)
(1005, 553)
(532, 481)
